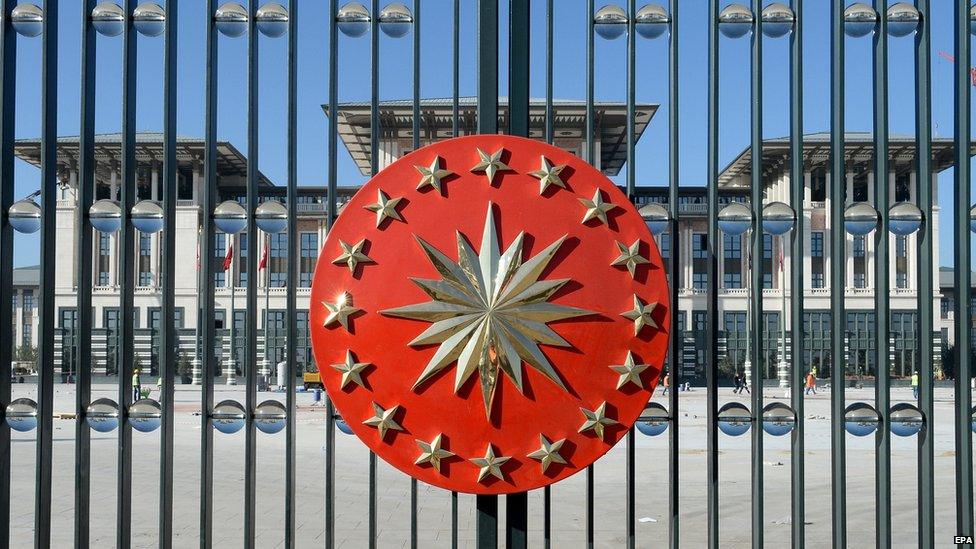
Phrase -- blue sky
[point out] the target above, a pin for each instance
(436, 81)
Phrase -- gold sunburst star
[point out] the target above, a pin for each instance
(630, 372)
(489, 312)
(352, 255)
(490, 464)
(596, 420)
(383, 420)
(385, 208)
(548, 452)
(596, 208)
(340, 311)
(641, 314)
(432, 453)
(430, 176)
(548, 175)
(491, 164)
(351, 371)
(630, 256)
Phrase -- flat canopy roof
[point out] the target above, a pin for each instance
(437, 115)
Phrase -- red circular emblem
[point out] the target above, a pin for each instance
(489, 314)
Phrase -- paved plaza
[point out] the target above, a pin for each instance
(434, 504)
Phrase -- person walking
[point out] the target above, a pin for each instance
(915, 384)
(667, 383)
(811, 383)
(743, 386)
(735, 383)
(136, 385)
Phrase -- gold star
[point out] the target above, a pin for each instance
(629, 372)
(340, 311)
(352, 255)
(431, 176)
(432, 453)
(596, 420)
(630, 257)
(383, 420)
(596, 208)
(490, 464)
(351, 371)
(641, 314)
(491, 164)
(548, 453)
(385, 207)
(548, 175)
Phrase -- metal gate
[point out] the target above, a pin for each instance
(132, 217)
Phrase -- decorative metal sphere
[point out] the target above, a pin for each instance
(271, 20)
(21, 415)
(342, 425)
(735, 218)
(734, 419)
(147, 216)
(861, 419)
(271, 216)
(903, 19)
(105, 216)
(108, 19)
(353, 19)
(25, 216)
(102, 415)
(149, 19)
(905, 419)
(654, 420)
(735, 21)
(656, 216)
(27, 20)
(778, 419)
(228, 416)
(145, 415)
(860, 19)
(610, 22)
(270, 417)
(778, 218)
(231, 19)
(396, 20)
(652, 21)
(904, 218)
(230, 217)
(860, 218)
(777, 20)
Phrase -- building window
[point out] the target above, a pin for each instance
(817, 259)
(816, 342)
(732, 261)
(818, 184)
(767, 261)
(736, 336)
(145, 259)
(947, 305)
(220, 252)
(68, 326)
(861, 343)
(860, 262)
(241, 260)
(860, 190)
(901, 261)
(903, 187)
(904, 343)
(308, 255)
(278, 260)
(103, 261)
(28, 303)
(275, 337)
(699, 263)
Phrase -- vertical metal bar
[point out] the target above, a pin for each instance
(797, 281)
(208, 332)
(882, 394)
(838, 186)
(45, 351)
(251, 307)
(374, 148)
(591, 158)
(711, 360)
(547, 491)
(455, 75)
(292, 274)
(330, 219)
(963, 276)
(758, 356)
(169, 341)
(486, 508)
(926, 355)
(127, 280)
(416, 145)
(674, 338)
(630, 519)
(83, 259)
(8, 92)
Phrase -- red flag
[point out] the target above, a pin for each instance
(229, 257)
(264, 258)
(952, 59)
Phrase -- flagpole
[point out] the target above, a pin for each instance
(231, 369)
(265, 370)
